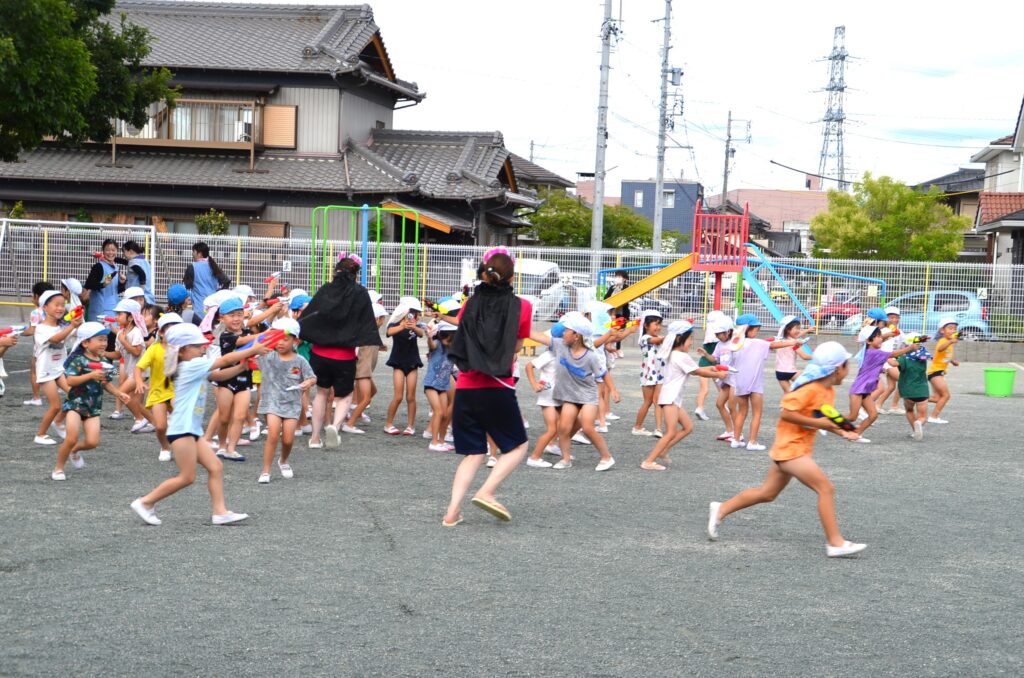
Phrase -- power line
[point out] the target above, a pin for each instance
(858, 183)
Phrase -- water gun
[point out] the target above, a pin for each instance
(919, 339)
(75, 314)
(620, 323)
(276, 275)
(449, 306)
(98, 255)
(267, 302)
(270, 339)
(895, 331)
(726, 368)
(106, 319)
(97, 365)
(108, 277)
(14, 329)
(284, 290)
(544, 386)
(839, 420)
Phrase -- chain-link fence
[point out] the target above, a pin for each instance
(987, 300)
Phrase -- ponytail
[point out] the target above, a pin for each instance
(203, 250)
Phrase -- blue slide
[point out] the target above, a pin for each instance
(750, 278)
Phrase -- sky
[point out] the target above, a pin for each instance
(928, 84)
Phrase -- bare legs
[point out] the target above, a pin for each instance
(940, 392)
(467, 470)
(72, 445)
(187, 453)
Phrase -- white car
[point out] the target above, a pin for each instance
(540, 282)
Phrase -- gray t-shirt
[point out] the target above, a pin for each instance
(278, 376)
(576, 378)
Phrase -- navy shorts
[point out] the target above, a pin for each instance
(936, 374)
(479, 412)
(177, 436)
(337, 374)
(784, 376)
(916, 400)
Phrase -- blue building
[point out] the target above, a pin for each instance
(679, 200)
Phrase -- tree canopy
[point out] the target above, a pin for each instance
(66, 72)
(884, 219)
(564, 221)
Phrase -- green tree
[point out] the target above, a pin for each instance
(212, 223)
(18, 211)
(65, 72)
(884, 219)
(564, 221)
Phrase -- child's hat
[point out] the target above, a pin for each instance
(185, 334)
(91, 329)
(289, 325)
(244, 291)
(168, 319)
(47, 295)
(445, 326)
(217, 298)
(74, 285)
(783, 324)
(679, 327)
(177, 294)
(826, 359)
(945, 320)
(229, 305)
(298, 302)
(892, 310)
(877, 314)
(748, 319)
(128, 305)
(866, 333)
(133, 292)
(375, 296)
(576, 322)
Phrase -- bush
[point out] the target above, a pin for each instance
(212, 223)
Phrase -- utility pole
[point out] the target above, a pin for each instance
(659, 185)
(531, 150)
(728, 154)
(608, 32)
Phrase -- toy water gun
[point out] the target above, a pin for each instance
(276, 275)
(620, 323)
(109, 319)
(98, 255)
(544, 386)
(108, 277)
(14, 329)
(105, 366)
(283, 289)
(839, 420)
(894, 330)
(449, 306)
(726, 368)
(919, 339)
(270, 339)
(75, 314)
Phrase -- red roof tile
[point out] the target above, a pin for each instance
(1002, 141)
(995, 206)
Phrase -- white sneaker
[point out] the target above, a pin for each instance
(165, 455)
(562, 464)
(55, 475)
(737, 444)
(491, 461)
(148, 428)
(640, 432)
(526, 425)
(139, 425)
(254, 432)
(365, 418)
(37, 402)
(315, 446)
(117, 415)
(601, 429)
(263, 479)
(861, 440)
(437, 448)
(896, 410)
(611, 416)
(427, 435)
(77, 460)
(230, 456)
(148, 515)
(713, 521)
(229, 518)
(822, 432)
(658, 433)
(936, 420)
(553, 449)
(307, 429)
(351, 429)
(331, 437)
(298, 432)
(755, 447)
(61, 431)
(581, 438)
(605, 465)
(286, 470)
(918, 433)
(449, 437)
(538, 463)
(701, 414)
(44, 440)
(847, 549)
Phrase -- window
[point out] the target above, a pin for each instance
(951, 303)
(638, 199)
(279, 126)
(668, 199)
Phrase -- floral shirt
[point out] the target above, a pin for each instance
(652, 368)
(85, 399)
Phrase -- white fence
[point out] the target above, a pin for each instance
(986, 299)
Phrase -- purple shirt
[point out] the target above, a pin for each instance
(749, 364)
(870, 371)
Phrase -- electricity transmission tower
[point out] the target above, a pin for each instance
(833, 162)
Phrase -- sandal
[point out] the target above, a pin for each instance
(392, 431)
(458, 520)
(651, 466)
(409, 431)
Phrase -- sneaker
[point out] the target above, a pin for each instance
(316, 445)
(658, 433)
(61, 431)
(148, 428)
(755, 447)
(298, 432)
(77, 460)
(847, 549)
(640, 432)
(263, 479)
(35, 402)
(713, 521)
(230, 456)
(139, 425)
(44, 440)
(331, 437)
(116, 415)
(553, 449)
(491, 461)
(737, 444)
(351, 429)
(611, 416)
(601, 429)
(449, 437)
(862, 440)
(365, 418)
(895, 410)
(437, 448)
(409, 431)
(148, 515)
(562, 464)
(936, 420)
(605, 465)
(822, 432)
(286, 470)
(918, 433)
(538, 463)
(581, 438)
(165, 455)
(725, 437)
(254, 432)
(701, 414)
(307, 429)
(229, 518)
(427, 435)
(309, 412)
(57, 475)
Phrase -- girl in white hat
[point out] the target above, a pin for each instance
(405, 330)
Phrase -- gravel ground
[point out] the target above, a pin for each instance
(345, 570)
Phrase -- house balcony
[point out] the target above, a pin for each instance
(195, 123)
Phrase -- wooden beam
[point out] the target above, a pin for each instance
(378, 44)
(424, 219)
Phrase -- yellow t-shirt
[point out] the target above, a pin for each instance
(942, 356)
(161, 389)
(793, 440)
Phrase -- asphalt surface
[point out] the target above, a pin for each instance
(345, 570)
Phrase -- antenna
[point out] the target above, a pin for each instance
(833, 160)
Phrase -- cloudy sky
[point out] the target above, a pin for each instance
(929, 86)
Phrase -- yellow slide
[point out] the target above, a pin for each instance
(643, 286)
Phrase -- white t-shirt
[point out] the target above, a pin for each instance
(49, 357)
(544, 364)
(189, 397)
(134, 337)
(679, 367)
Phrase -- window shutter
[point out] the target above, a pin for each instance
(279, 125)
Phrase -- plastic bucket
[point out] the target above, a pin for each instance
(999, 381)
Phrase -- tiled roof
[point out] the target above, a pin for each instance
(996, 206)
(964, 179)
(530, 173)
(1002, 141)
(262, 38)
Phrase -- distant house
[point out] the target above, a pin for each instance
(282, 108)
(679, 204)
(1001, 201)
(962, 192)
(536, 177)
(774, 243)
(585, 192)
(784, 210)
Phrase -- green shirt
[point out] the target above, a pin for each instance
(305, 349)
(913, 380)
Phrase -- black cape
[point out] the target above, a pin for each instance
(340, 314)
(487, 334)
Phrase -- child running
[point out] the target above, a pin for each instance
(130, 342)
(794, 445)
(404, 329)
(679, 366)
(161, 389)
(913, 385)
(50, 353)
(721, 329)
(437, 381)
(187, 364)
(86, 379)
(862, 391)
(947, 337)
(541, 374)
(785, 357)
(286, 375)
(706, 349)
(652, 371)
(35, 317)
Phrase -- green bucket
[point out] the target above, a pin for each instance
(999, 381)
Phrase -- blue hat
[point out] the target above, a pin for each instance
(878, 314)
(558, 330)
(748, 319)
(230, 304)
(298, 302)
(177, 294)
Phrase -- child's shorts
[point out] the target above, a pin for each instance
(366, 361)
(916, 400)
(479, 412)
(941, 373)
(784, 376)
(257, 377)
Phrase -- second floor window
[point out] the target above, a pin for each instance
(638, 199)
(668, 199)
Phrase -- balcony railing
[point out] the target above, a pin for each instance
(195, 123)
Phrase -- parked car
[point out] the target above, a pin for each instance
(838, 311)
(649, 303)
(918, 313)
(540, 282)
